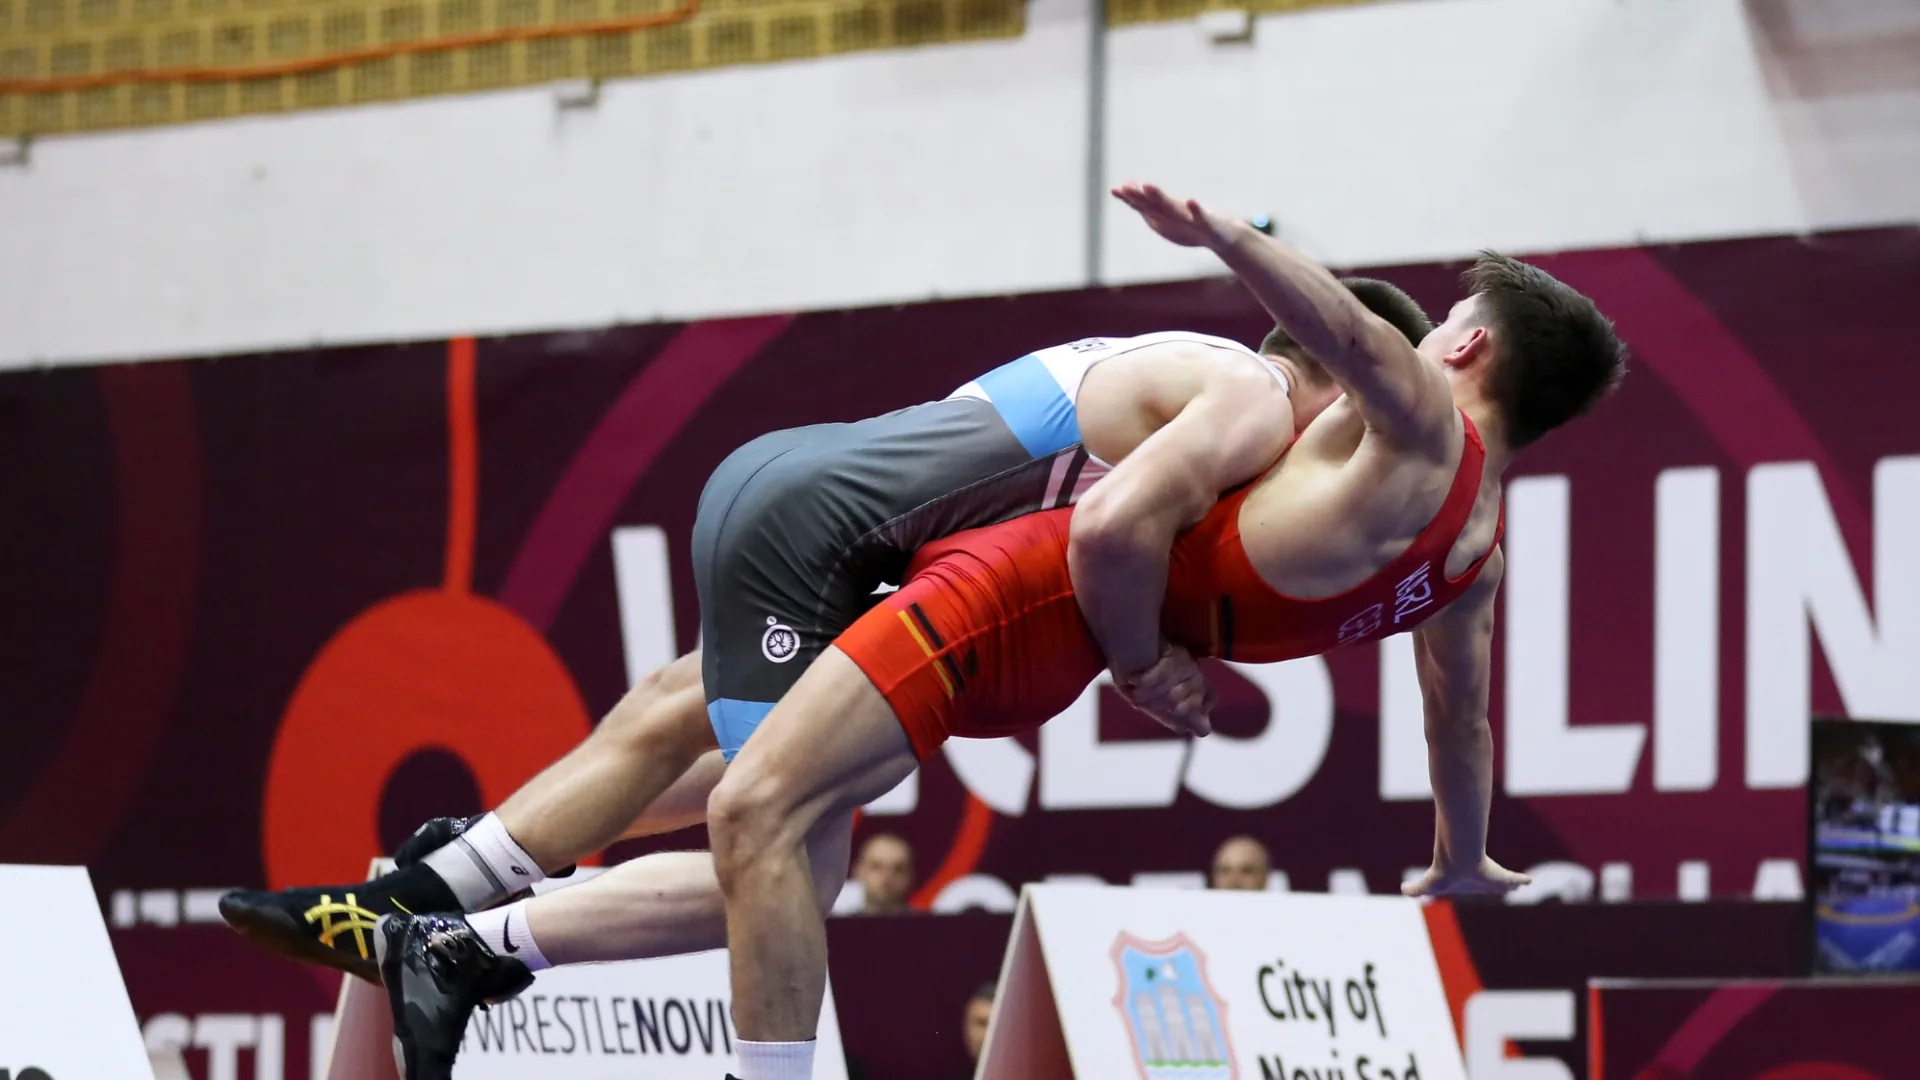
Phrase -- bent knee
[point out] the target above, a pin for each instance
(679, 676)
(665, 714)
(750, 806)
(676, 676)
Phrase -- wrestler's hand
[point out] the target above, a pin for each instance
(1487, 879)
(1173, 691)
(1185, 222)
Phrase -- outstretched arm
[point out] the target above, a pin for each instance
(1453, 652)
(1400, 395)
(1234, 426)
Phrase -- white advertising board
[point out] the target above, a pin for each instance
(64, 1013)
(1157, 984)
(666, 1019)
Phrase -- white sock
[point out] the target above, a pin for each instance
(775, 1061)
(506, 932)
(483, 865)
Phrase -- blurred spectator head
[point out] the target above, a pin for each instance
(974, 1026)
(885, 872)
(1240, 863)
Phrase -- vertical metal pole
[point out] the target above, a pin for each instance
(1096, 134)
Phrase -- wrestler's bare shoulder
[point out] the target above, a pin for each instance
(1164, 372)
(1124, 400)
(1344, 502)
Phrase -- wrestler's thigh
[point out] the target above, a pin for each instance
(830, 745)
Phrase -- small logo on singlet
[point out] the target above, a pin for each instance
(779, 643)
(1362, 625)
(1088, 345)
(1412, 594)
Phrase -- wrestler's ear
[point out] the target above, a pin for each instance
(1472, 347)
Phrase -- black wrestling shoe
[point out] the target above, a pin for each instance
(332, 926)
(437, 970)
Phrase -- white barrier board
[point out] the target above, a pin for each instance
(64, 1012)
(1115, 983)
(665, 1019)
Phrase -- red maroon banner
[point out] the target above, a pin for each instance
(1758, 1030)
(267, 613)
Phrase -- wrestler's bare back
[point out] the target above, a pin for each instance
(1125, 400)
(1344, 502)
(1341, 504)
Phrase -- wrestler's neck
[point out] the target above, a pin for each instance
(1308, 400)
(1487, 420)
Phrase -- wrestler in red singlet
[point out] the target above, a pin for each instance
(986, 637)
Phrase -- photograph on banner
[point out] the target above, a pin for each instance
(1228, 985)
(1864, 853)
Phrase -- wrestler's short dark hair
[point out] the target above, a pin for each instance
(1555, 356)
(1384, 299)
(985, 992)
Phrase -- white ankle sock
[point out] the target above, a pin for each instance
(506, 932)
(775, 1061)
(483, 865)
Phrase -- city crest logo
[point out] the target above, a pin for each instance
(1177, 1021)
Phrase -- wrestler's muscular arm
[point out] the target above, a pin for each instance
(1401, 396)
(1453, 654)
(1225, 421)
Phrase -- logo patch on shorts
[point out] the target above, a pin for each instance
(779, 643)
